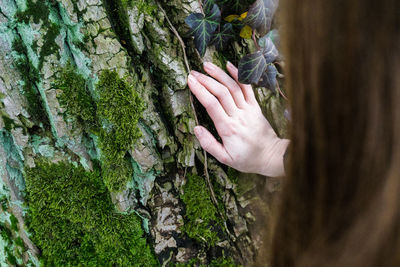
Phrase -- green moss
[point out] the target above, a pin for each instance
(192, 262)
(219, 262)
(75, 96)
(220, 60)
(223, 262)
(119, 108)
(5, 233)
(142, 5)
(8, 123)
(10, 257)
(38, 11)
(201, 219)
(14, 223)
(49, 46)
(73, 222)
(233, 175)
(19, 242)
(117, 173)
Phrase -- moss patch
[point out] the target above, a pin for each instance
(8, 123)
(5, 233)
(201, 219)
(38, 11)
(233, 175)
(119, 108)
(117, 173)
(14, 223)
(75, 96)
(73, 221)
(49, 46)
(142, 6)
(219, 262)
(12, 260)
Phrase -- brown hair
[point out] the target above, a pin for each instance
(340, 203)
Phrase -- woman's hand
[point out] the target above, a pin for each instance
(249, 144)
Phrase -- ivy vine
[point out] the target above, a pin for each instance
(216, 26)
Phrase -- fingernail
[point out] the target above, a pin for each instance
(229, 64)
(198, 130)
(209, 66)
(192, 79)
(195, 73)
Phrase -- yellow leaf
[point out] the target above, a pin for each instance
(231, 18)
(243, 16)
(246, 32)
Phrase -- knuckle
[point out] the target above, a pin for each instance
(206, 144)
(248, 87)
(211, 104)
(228, 130)
(223, 159)
(235, 88)
(223, 92)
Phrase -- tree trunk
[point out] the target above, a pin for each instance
(98, 88)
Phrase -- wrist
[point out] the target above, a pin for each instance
(273, 159)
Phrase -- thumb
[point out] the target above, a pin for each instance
(211, 145)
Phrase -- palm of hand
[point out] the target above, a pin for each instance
(249, 144)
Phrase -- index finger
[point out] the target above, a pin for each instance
(229, 83)
(210, 102)
(246, 88)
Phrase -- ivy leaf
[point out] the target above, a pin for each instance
(268, 78)
(203, 26)
(246, 32)
(229, 6)
(269, 49)
(221, 39)
(208, 6)
(236, 21)
(252, 67)
(260, 15)
(222, 2)
(232, 18)
(237, 6)
(274, 36)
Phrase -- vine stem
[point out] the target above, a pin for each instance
(173, 29)
(281, 93)
(201, 7)
(206, 173)
(255, 40)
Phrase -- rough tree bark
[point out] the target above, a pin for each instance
(146, 42)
